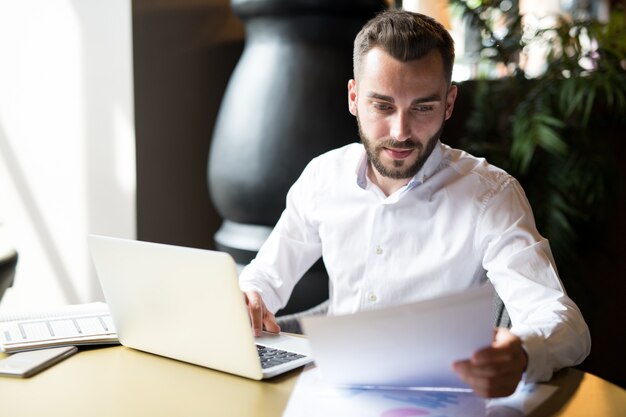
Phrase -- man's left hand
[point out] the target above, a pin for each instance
(496, 370)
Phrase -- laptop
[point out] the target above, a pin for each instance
(185, 304)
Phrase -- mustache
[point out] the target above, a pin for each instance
(396, 144)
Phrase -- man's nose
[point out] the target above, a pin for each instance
(400, 127)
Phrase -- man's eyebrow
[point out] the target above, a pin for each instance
(371, 94)
(426, 99)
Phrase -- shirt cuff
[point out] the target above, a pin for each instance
(272, 303)
(537, 368)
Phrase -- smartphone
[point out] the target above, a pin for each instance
(28, 363)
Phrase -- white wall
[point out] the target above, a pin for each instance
(67, 150)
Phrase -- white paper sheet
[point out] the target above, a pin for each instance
(312, 397)
(412, 345)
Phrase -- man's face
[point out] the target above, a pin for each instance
(400, 108)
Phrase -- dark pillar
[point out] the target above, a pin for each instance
(286, 103)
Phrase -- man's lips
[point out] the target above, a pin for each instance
(398, 153)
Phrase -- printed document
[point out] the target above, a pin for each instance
(313, 397)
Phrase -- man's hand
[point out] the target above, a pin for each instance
(495, 371)
(260, 317)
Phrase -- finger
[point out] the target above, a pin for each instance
(495, 392)
(504, 336)
(500, 352)
(468, 371)
(493, 387)
(486, 386)
(255, 308)
(495, 368)
(462, 368)
(491, 371)
(270, 322)
(490, 356)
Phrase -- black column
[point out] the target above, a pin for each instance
(285, 103)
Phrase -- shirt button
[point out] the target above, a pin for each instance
(379, 250)
(371, 297)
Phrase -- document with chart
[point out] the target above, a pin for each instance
(70, 325)
(312, 397)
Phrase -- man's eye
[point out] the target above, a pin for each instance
(423, 109)
(382, 106)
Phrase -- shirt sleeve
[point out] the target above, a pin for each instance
(291, 248)
(519, 263)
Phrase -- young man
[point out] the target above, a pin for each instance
(402, 217)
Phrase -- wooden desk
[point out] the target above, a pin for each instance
(117, 381)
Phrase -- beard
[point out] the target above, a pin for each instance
(400, 169)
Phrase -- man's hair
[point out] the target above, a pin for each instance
(405, 36)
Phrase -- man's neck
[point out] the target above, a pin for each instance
(387, 185)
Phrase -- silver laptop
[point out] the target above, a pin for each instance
(185, 304)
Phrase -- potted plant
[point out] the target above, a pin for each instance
(560, 134)
(555, 132)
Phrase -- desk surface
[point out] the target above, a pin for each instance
(117, 381)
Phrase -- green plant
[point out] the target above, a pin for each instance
(556, 131)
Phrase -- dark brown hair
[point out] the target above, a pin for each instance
(405, 36)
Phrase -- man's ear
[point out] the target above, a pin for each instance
(352, 97)
(450, 99)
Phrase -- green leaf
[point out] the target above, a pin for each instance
(591, 95)
(550, 140)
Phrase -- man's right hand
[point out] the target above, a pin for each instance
(260, 317)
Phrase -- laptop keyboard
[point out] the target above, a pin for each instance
(271, 357)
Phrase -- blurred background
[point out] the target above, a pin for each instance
(109, 112)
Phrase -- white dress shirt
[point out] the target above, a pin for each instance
(458, 222)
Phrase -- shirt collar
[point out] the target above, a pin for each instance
(428, 170)
(361, 170)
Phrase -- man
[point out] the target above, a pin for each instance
(402, 217)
